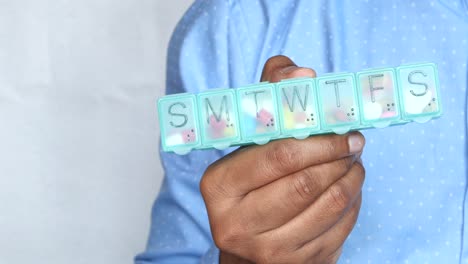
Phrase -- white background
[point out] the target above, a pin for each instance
(79, 167)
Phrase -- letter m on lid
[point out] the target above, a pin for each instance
(219, 122)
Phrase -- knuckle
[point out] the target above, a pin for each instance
(205, 182)
(209, 184)
(333, 258)
(283, 155)
(328, 148)
(319, 253)
(264, 254)
(360, 170)
(204, 185)
(347, 162)
(355, 210)
(354, 216)
(226, 237)
(214, 169)
(305, 184)
(340, 196)
(322, 254)
(219, 238)
(271, 250)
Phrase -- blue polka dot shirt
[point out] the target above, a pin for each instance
(414, 196)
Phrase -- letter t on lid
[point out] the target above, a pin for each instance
(179, 123)
(257, 113)
(338, 102)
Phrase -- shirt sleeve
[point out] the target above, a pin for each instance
(198, 59)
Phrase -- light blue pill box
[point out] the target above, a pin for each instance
(333, 103)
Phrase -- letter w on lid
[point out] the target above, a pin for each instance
(298, 107)
(178, 122)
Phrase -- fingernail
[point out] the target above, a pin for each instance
(288, 69)
(355, 142)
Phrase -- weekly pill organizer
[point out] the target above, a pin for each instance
(332, 103)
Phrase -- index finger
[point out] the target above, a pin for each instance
(250, 168)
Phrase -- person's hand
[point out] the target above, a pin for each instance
(289, 201)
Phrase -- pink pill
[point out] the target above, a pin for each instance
(188, 135)
(265, 117)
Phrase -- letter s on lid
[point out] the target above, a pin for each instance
(178, 120)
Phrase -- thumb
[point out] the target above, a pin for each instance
(280, 67)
